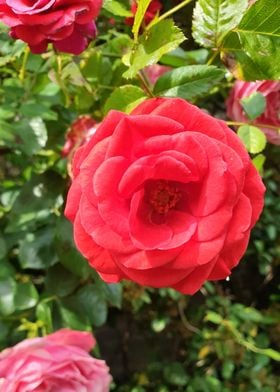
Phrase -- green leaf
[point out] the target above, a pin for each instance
(7, 295)
(253, 138)
(26, 296)
(213, 317)
(116, 8)
(3, 247)
(252, 50)
(124, 98)
(159, 324)
(68, 255)
(6, 270)
(40, 130)
(36, 201)
(92, 303)
(98, 69)
(227, 369)
(44, 313)
(212, 19)
(6, 133)
(32, 134)
(180, 57)
(113, 293)
(59, 281)
(37, 110)
(73, 73)
(254, 105)
(175, 374)
(4, 330)
(188, 82)
(36, 251)
(258, 162)
(158, 40)
(142, 6)
(72, 319)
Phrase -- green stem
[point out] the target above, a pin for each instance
(168, 13)
(145, 84)
(238, 123)
(24, 61)
(212, 58)
(60, 81)
(250, 346)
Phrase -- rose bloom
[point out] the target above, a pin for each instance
(58, 362)
(271, 91)
(67, 24)
(153, 9)
(165, 197)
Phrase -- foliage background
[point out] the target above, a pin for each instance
(224, 338)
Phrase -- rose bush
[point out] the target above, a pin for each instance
(58, 362)
(67, 24)
(166, 196)
(271, 91)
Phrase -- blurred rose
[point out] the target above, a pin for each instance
(153, 9)
(67, 24)
(56, 363)
(166, 196)
(78, 133)
(271, 91)
(153, 72)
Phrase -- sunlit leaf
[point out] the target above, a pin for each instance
(252, 50)
(158, 40)
(212, 19)
(253, 138)
(188, 82)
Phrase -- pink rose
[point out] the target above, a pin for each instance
(165, 197)
(155, 71)
(67, 24)
(271, 91)
(56, 363)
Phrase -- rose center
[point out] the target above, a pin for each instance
(163, 196)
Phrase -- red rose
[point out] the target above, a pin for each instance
(67, 24)
(154, 8)
(271, 91)
(166, 197)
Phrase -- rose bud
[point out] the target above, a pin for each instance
(57, 362)
(166, 197)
